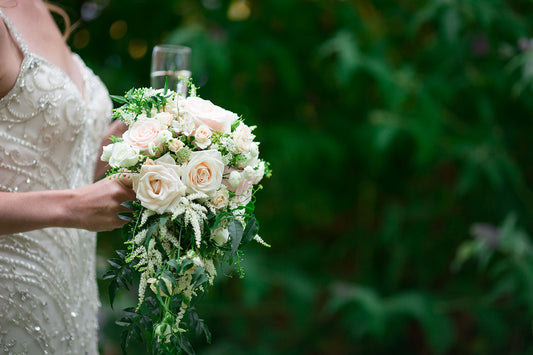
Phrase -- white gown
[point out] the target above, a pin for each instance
(49, 136)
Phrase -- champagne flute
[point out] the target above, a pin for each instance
(171, 64)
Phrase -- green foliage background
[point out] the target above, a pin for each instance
(399, 133)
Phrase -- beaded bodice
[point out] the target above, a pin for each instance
(49, 135)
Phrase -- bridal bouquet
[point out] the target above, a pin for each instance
(196, 168)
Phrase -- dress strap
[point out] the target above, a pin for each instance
(16, 34)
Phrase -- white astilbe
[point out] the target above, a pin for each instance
(164, 237)
(193, 219)
(140, 237)
(181, 313)
(210, 269)
(146, 214)
(153, 261)
(260, 240)
(194, 213)
(140, 253)
(142, 288)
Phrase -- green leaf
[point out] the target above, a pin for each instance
(151, 230)
(116, 263)
(166, 274)
(235, 231)
(173, 263)
(199, 276)
(207, 333)
(111, 274)
(126, 216)
(112, 291)
(185, 345)
(128, 204)
(185, 265)
(250, 231)
(163, 287)
(119, 99)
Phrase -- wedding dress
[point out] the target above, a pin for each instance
(49, 135)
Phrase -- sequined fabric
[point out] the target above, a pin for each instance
(49, 136)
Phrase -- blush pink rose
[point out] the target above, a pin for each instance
(205, 112)
(144, 134)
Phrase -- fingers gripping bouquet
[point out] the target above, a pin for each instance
(196, 169)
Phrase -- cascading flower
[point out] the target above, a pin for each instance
(196, 168)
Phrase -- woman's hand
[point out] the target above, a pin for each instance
(95, 207)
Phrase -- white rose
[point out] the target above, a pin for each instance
(243, 138)
(254, 150)
(248, 172)
(235, 178)
(106, 152)
(220, 236)
(221, 198)
(203, 172)
(144, 134)
(258, 173)
(158, 184)
(123, 155)
(205, 112)
(202, 136)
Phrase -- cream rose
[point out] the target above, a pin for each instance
(203, 172)
(205, 112)
(123, 155)
(202, 136)
(144, 134)
(221, 198)
(175, 144)
(243, 138)
(158, 185)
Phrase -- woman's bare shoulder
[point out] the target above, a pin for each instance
(10, 60)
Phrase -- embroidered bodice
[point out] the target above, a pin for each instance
(49, 136)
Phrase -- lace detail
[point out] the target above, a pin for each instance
(49, 136)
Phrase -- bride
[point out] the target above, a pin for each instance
(53, 114)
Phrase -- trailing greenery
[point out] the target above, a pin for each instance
(401, 211)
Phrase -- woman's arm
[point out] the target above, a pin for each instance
(93, 207)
